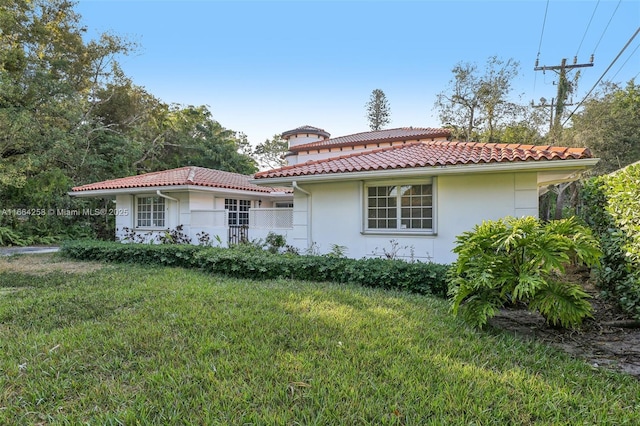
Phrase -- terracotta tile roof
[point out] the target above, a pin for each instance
(306, 129)
(426, 154)
(196, 176)
(376, 136)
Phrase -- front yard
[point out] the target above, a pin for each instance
(125, 344)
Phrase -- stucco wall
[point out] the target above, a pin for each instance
(179, 212)
(461, 202)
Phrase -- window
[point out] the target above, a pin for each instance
(400, 207)
(238, 211)
(150, 212)
(284, 204)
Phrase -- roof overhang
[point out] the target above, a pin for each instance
(549, 172)
(110, 193)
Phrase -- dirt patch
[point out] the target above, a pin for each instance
(40, 264)
(609, 340)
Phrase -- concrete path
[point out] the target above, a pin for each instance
(8, 251)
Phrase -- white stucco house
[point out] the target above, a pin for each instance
(407, 189)
(224, 206)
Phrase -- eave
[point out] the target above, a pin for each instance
(572, 167)
(178, 188)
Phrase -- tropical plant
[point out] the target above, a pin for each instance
(521, 260)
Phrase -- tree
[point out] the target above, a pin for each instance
(270, 153)
(47, 77)
(476, 105)
(69, 115)
(609, 125)
(378, 112)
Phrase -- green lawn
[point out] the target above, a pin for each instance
(138, 345)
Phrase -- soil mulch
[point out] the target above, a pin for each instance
(608, 340)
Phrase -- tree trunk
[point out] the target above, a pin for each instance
(560, 200)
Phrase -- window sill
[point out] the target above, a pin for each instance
(399, 232)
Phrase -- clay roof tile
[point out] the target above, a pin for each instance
(428, 153)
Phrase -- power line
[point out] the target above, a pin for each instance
(605, 28)
(587, 29)
(563, 89)
(544, 21)
(602, 76)
(625, 62)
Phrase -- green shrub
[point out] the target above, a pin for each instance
(520, 261)
(612, 210)
(416, 277)
(10, 238)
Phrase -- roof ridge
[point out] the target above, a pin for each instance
(342, 157)
(192, 174)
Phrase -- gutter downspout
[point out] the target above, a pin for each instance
(160, 194)
(308, 194)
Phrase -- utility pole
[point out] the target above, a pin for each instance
(543, 104)
(564, 87)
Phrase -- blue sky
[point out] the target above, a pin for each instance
(264, 67)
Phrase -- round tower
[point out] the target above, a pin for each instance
(303, 135)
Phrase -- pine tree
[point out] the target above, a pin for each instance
(378, 112)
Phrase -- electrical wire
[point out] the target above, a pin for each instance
(605, 28)
(602, 76)
(544, 22)
(625, 62)
(587, 29)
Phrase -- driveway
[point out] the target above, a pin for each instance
(8, 251)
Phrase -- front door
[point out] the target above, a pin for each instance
(238, 211)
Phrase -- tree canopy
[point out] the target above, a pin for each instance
(69, 115)
(609, 124)
(270, 153)
(476, 103)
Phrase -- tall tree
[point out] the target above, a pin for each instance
(47, 76)
(378, 111)
(609, 124)
(69, 115)
(477, 104)
(270, 153)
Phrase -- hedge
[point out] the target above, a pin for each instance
(416, 277)
(612, 210)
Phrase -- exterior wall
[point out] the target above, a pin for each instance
(465, 201)
(303, 138)
(176, 213)
(328, 152)
(461, 202)
(124, 203)
(200, 213)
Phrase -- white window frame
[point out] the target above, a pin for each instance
(283, 204)
(237, 211)
(156, 216)
(399, 209)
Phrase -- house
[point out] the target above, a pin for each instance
(409, 192)
(405, 192)
(206, 203)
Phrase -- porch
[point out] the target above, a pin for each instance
(218, 228)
